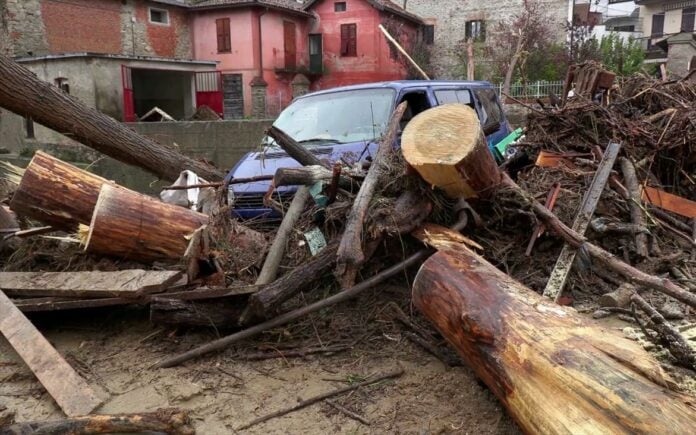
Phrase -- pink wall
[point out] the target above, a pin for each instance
(373, 62)
(244, 58)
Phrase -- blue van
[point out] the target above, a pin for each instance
(345, 124)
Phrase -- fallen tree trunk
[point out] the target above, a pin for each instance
(220, 313)
(448, 148)
(131, 225)
(637, 216)
(26, 95)
(350, 250)
(554, 371)
(170, 421)
(302, 176)
(56, 193)
(294, 149)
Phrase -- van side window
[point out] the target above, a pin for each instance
(491, 111)
(445, 96)
(417, 102)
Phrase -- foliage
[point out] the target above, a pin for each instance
(549, 64)
(624, 57)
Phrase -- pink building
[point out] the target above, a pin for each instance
(271, 50)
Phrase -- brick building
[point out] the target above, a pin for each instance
(455, 20)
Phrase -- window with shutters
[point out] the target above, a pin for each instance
(687, 24)
(224, 41)
(349, 40)
(658, 25)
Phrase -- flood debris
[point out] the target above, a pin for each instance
(622, 237)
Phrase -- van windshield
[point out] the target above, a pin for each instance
(341, 117)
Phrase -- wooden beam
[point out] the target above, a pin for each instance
(74, 396)
(123, 283)
(667, 201)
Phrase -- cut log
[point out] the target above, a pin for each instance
(26, 95)
(67, 388)
(220, 313)
(555, 371)
(267, 300)
(131, 225)
(122, 283)
(57, 193)
(447, 146)
(170, 421)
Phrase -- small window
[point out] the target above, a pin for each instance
(349, 40)
(224, 40)
(62, 84)
(159, 16)
(461, 96)
(429, 34)
(340, 7)
(476, 30)
(29, 128)
(658, 25)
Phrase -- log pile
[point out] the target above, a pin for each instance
(618, 175)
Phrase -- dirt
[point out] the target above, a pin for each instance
(115, 349)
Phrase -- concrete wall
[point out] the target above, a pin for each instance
(39, 27)
(450, 16)
(221, 142)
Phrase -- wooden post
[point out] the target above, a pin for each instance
(24, 94)
(447, 147)
(555, 371)
(56, 193)
(131, 225)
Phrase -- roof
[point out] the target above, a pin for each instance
(58, 56)
(399, 85)
(292, 6)
(384, 6)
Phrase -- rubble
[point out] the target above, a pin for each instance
(623, 238)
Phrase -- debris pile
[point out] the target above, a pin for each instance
(616, 236)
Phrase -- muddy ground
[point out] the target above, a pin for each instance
(115, 349)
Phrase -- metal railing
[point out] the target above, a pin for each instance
(533, 90)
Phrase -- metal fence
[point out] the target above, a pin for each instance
(533, 90)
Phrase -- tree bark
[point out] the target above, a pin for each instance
(447, 146)
(220, 313)
(553, 370)
(634, 203)
(170, 421)
(56, 193)
(350, 250)
(302, 176)
(131, 225)
(24, 94)
(294, 149)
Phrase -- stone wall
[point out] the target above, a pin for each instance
(39, 27)
(450, 16)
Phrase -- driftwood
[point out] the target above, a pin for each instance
(447, 146)
(24, 94)
(56, 193)
(634, 203)
(74, 396)
(320, 397)
(169, 421)
(350, 250)
(275, 254)
(302, 176)
(131, 225)
(220, 313)
(294, 149)
(122, 283)
(552, 369)
(269, 299)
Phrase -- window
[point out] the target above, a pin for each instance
(340, 7)
(429, 34)
(446, 96)
(62, 83)
(491, 113)
(224, 42)
(349, 40)
(159, 16)
(658, 25)
(624, 29)
(476, 30)
(687, 24)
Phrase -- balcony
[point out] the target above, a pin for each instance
(300, 63)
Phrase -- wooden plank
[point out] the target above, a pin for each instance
(564, 263)
(74, 396)
(667, 201)
(34, 305)
(124, 283)
(211, 293)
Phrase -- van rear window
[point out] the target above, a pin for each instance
(445, 96)
(491, 111)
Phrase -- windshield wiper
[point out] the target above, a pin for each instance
(319, 139)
